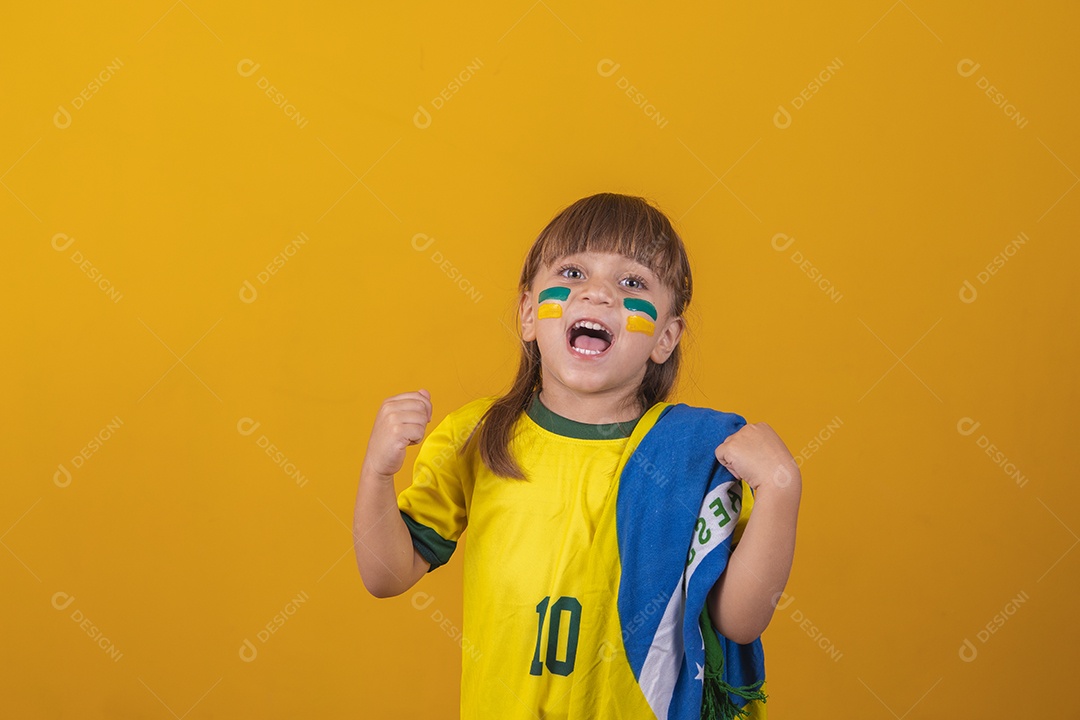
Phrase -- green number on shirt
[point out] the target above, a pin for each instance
(554, 665)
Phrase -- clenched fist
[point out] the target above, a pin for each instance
(756, 454)
(401, 421)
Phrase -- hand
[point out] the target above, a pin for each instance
(756, 454)
(401, 421)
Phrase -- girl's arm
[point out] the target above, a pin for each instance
(742, 601)
(389, 563)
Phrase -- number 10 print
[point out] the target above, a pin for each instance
(565, 604)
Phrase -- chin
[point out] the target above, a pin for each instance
(584, 384)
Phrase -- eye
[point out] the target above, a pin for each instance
(638, 281)
(564, 268)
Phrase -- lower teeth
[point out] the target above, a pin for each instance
(587, 352)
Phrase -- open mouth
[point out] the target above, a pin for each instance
(587, 337)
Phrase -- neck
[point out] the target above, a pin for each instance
(610, 406)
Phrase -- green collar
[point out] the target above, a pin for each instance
(560, 425)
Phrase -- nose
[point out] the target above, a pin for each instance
(598, 290)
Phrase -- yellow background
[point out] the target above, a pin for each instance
(179, 180)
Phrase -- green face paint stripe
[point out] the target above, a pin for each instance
(639, 305)
(554, 293)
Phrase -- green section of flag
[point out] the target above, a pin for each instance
(639, 305)
(554, 293)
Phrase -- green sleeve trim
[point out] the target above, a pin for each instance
(432, 547)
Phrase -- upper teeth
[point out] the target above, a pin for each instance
(589, 324)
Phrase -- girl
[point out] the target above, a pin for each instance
(601, 518)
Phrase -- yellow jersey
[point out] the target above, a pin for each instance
(541, 637)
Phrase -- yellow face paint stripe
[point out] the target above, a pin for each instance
(549, 310)
(635, 323)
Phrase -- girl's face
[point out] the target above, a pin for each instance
(629, 321)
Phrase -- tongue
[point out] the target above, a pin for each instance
(587, 342)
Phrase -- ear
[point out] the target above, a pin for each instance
(667, 341)
(528, 317)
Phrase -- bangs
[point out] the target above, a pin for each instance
(611, 223)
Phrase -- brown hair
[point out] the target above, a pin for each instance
(605, 222)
